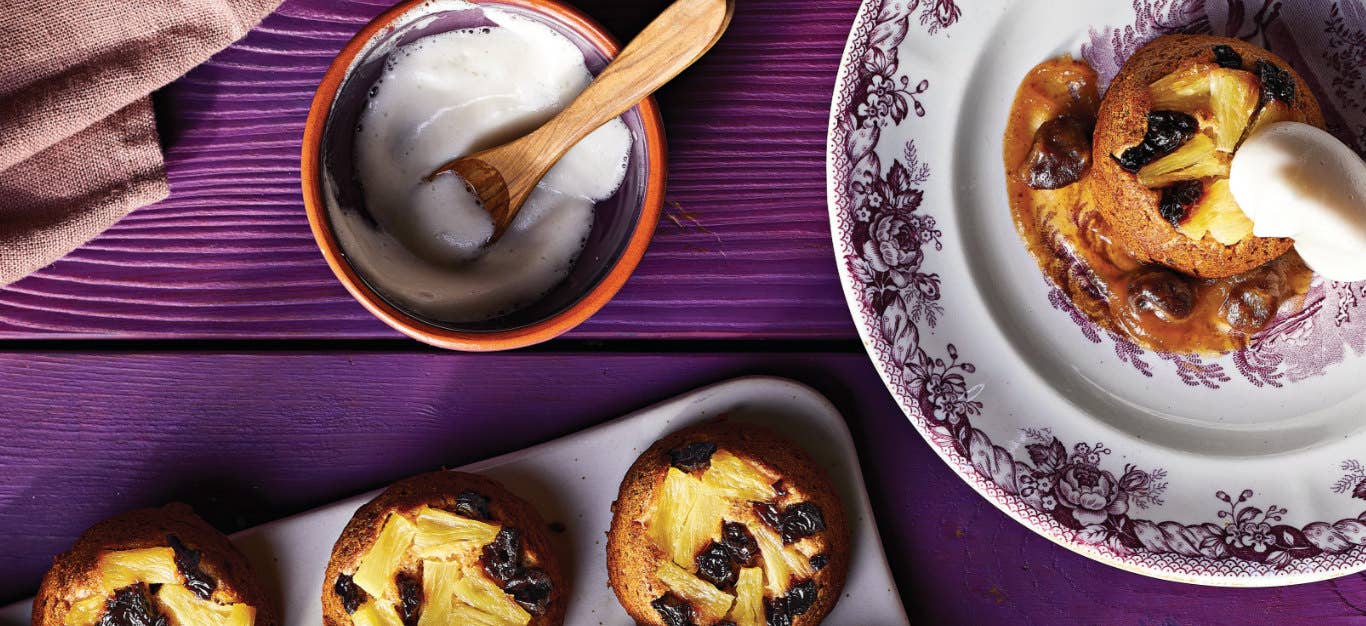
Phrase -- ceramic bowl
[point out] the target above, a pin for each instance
(623, 224)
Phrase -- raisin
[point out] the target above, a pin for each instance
(779, 488)
(769, 515)
(693, 456)
(187, 561)
(131, 607)
(1178, 199)
(714, 566)
(1167, 130)
(724, 623)
(1277, 84)
(675, 611)
(531, 590)
(502, 559)
(1228, 57)
(740, 543)
(801, 597)
(801, 520)
(1061, 152)
(1167, 294)
(351, 595)
(819, 562)
(410, 597)
(776, 613)
(472, 505)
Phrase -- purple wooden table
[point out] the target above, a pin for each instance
(249, 431)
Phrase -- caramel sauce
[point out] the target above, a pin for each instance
(1076, 248)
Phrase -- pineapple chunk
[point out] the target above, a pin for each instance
(1198, 158)
(688, 516)
(781, 564)
(186, 609)
(479, 592)
(379, 565)
(85, 612)
(1233, 96)
(715, 604)
(733, 477)
(438, 591)
(374, 613)
(154, 566)
(1229, 224)
(1186, 90)
(465, 615)
(1270, 113)
(440, 534)
(749, 598)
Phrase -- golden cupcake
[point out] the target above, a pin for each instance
(1165, 135)
(444, 549)
(163, 567)
(727, 524)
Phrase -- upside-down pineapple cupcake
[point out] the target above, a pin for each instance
(727, 523)
(159, 567)
(444, 549)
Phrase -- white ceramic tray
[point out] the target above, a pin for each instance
(573, 480)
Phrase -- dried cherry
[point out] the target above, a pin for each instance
(131, 607)
(776, 612)
(801, 596)
(502, 559)
(531, 590)
(769, 514)
(714, 566)
(1167, 130)
(410, 597)
(1277, 84)
(675, 611)
(1061, 152)
(801, 520)
(187, 561)
(351, 595)
(740, 543)
(1178, 199)
(1228, 57)
(472, 505)
(693, 456)
(1167, 294)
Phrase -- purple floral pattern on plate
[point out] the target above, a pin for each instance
(1071, 494)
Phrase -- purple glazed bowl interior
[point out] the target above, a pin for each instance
(614, 219)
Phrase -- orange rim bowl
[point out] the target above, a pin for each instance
(491, 340)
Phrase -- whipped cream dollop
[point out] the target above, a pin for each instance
(1298, 181)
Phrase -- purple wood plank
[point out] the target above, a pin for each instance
(743, 249)
(248, 437)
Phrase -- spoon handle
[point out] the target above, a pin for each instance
(668, 45)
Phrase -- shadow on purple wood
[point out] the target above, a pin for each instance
(247, 438)
(742, 250)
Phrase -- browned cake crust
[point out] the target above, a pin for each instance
(633, 557)
(73, 574)
(1131, 208)
(439, 490)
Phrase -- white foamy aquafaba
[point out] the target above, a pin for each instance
(448, 95)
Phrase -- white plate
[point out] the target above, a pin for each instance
(573, 480)
(1243, 470)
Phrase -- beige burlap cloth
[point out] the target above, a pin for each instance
(78, 141)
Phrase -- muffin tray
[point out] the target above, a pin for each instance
(573, 481)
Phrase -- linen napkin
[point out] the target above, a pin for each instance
(78, 140)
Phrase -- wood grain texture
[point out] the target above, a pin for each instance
(249, 437)
(742, 251)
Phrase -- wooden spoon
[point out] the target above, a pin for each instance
(503, 177)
